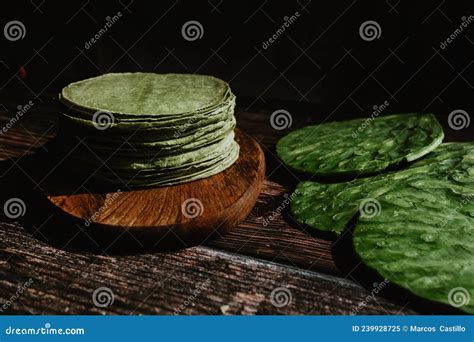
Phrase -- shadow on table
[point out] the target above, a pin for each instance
(48, 223)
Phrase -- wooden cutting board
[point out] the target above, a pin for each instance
(180, 215)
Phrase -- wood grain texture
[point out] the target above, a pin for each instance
(197, 280)
(269, 233)
(194, 211)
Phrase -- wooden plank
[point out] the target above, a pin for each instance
(268, 235)
(198, 280)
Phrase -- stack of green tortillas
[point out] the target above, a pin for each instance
(414, 226)
(145, 129)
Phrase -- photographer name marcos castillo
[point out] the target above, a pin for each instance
(441, 328)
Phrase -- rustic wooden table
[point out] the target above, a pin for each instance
(234, 274)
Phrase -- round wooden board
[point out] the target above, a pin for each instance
(182, 215)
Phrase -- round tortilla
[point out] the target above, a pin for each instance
(146, 94)
(158, 129)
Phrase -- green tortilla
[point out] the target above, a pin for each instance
(360, 146)
(158, 162)
(156, 119)
(88, 121)
(146, 94)
(153, 129)
(187, 174)
(139, 137)
(133, 149)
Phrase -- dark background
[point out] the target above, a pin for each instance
(319, 67)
